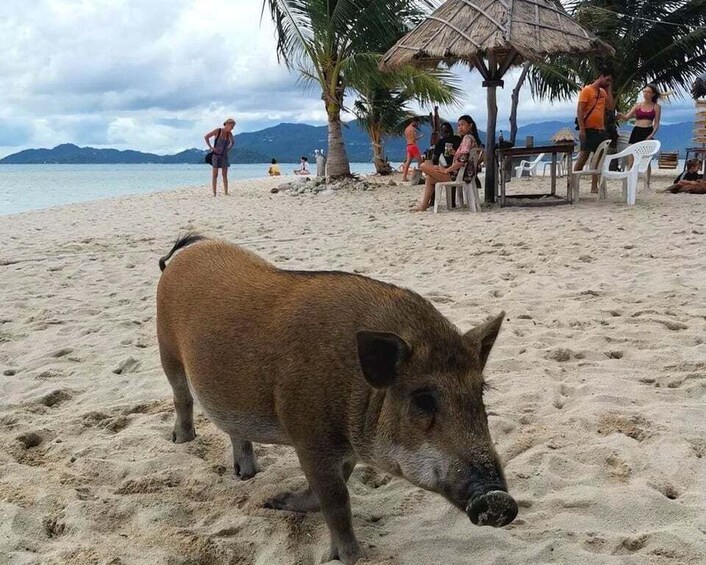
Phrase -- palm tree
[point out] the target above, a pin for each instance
(327, 40)
(657, 41)
(383, 101)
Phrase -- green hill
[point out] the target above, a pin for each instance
(288, 142)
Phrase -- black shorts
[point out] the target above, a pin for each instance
(594, 137)
(640, 134)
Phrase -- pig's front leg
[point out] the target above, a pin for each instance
(327, 479)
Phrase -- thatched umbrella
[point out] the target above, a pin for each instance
(564, 135)
(504, 33)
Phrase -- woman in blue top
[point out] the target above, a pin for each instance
(222, 143)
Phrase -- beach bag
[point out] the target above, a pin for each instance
(209, 156)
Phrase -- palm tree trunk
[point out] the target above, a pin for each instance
(337, 164)
(382, 167)
(516, 101)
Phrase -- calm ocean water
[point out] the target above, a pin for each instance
(32, 187)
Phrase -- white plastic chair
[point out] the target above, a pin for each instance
(468, 192)
(642, 153)
(560, 165)
(595, 164)
(529, 166)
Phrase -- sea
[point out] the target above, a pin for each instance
(34, 187)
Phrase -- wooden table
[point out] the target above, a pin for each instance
(546, 199)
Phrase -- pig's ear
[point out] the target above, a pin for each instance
(483, 337)
(381, 354)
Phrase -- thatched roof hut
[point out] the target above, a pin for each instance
(524, 30)
(564, 135)
(504, 33)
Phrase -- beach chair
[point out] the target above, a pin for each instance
(595, 165)
(560, 165)
(468, 192)
(529, 166)
(642, 153)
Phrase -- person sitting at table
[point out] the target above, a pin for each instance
(438, 173)
(443, 152)
(447, 145)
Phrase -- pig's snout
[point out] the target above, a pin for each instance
(494, 508)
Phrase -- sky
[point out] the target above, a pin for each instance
(156, 75)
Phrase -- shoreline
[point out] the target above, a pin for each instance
(372, 177)
(44, 186)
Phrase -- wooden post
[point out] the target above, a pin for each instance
(490, 145)
(491, 82)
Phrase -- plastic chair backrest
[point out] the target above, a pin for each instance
(599, 154)
(644, 151)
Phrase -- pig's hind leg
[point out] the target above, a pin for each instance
(183, 400)
(244, 461)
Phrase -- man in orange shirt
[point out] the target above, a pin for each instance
(594, 100)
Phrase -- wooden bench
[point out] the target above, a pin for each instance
(668, 160)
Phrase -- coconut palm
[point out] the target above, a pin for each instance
(326, 41)
(656, 41)
(383, 101)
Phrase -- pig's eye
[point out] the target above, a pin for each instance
(425, 400)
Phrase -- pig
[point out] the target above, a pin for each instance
(342, 367)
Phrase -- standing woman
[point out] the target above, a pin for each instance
(222, 143)
(647, 115)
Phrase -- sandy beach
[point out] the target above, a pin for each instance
(598, 380)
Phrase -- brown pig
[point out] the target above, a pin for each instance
(342, 367)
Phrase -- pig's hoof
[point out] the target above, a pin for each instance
(245, 472)
(347, 554)
(182, 436)
(300, 501)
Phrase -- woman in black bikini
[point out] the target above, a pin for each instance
(647, 115)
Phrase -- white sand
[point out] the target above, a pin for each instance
(597, 408)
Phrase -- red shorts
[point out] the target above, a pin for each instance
(413, 151)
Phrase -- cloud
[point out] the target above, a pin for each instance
(157, 75)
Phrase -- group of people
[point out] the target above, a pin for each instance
(596, 105)
(450, 154)
(594, 120)
(220, 141)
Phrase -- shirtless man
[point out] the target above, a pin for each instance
(411, 134)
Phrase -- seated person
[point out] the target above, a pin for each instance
(686, 178)
(437, 173)
(303, 169)
(690, 187)
(273, 171)
(447, 145)
(443, 151)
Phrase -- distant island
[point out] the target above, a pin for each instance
(288, 142)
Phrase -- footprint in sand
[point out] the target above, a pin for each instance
(55, 397)
(634, 426)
